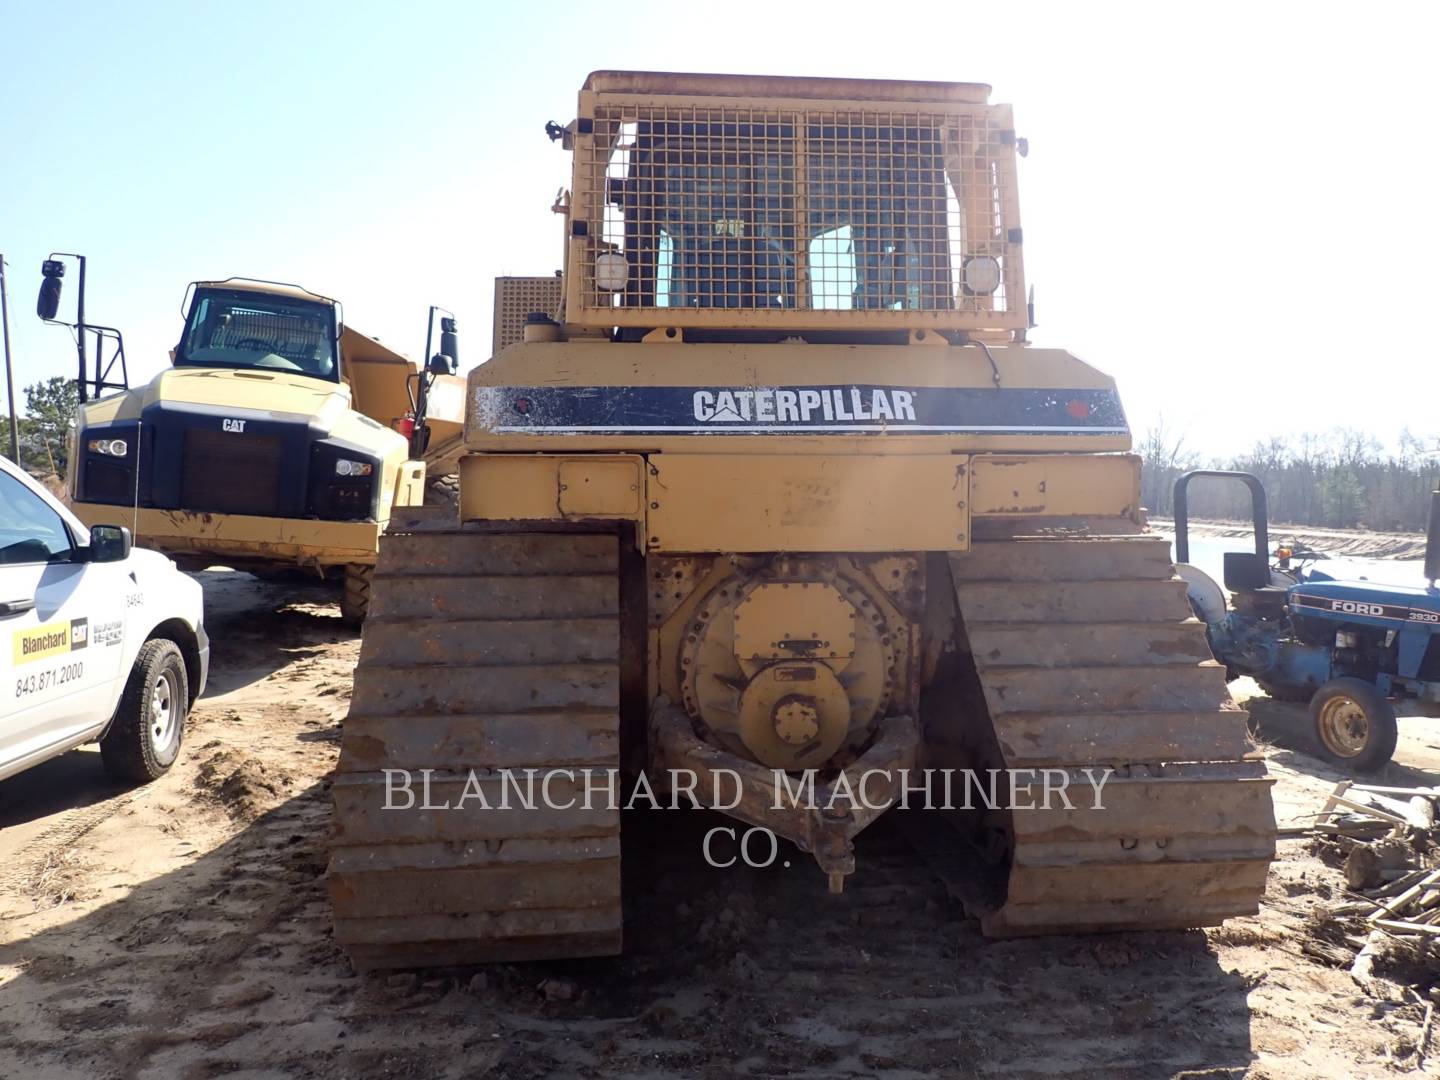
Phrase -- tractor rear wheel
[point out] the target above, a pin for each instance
(1354, 724)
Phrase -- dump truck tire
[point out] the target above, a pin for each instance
(355, 600)
(492, 661)
(443, 491)
(1090, 659)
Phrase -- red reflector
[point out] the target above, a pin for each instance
(1078, 409)
(522, 405)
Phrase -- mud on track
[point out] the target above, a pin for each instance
(182, 930)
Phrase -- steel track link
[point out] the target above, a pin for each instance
(483, 653)
(1089, 658)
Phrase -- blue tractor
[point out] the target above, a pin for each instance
(1351, 648)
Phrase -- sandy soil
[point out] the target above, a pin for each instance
(181, 930)
(1349, 543)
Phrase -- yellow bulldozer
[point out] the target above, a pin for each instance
(776, 504)
(279, 439)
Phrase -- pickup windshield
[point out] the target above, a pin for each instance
(239, 328)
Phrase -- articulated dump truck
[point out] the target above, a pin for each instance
(779, 490)
(279, 438)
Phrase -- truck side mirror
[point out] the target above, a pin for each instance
(450, 342)
(48, 303)
(441, 364)
(109, 543)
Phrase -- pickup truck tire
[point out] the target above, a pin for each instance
(1354, 724)
(143, 740)
(355, 600)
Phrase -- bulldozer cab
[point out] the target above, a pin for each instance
(816, 203)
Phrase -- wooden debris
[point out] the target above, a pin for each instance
(1363, 969)
(1399, 885)
(1361, 810)
(1394, 905)
(1424, 1041)
(1370, 865)
(1397, 926)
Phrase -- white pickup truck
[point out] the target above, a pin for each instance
(97, 639)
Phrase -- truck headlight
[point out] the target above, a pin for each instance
(981, 274)
(108, 447)
(346, 467)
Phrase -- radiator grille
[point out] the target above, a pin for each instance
(802, 216)
(230, 473)
(516, 297)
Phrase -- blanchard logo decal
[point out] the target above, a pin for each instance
(803, 406)
(40, 642)
(789, 410)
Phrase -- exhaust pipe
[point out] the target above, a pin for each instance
(1432, 540)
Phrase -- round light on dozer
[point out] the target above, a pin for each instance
(981, 274)
(109, 447)
(346, 467)
(612, 271)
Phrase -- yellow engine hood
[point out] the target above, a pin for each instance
(276, 392)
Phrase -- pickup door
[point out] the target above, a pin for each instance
(62, 626)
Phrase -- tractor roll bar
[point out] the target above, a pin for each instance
(1258, 510)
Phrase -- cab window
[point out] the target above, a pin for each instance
(246, 329)
(30, 530)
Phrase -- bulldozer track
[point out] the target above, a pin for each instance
(1089, 657)
(482, 652)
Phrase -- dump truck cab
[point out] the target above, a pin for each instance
(777, 499)
(279, 437)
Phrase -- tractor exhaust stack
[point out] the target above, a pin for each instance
(1432, 541)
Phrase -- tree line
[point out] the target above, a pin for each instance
(45, 427)
(1342, 480)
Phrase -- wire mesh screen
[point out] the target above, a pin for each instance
(725, 214)
(516, 297)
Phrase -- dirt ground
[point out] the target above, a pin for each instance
(182, 930)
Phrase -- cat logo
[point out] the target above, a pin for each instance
(232, 425)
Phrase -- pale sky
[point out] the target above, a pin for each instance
(1232, 208)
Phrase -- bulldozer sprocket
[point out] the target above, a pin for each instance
(1089, 658)
(490, 659)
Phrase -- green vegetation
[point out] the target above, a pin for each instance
(1345, 480)
(45, 429)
